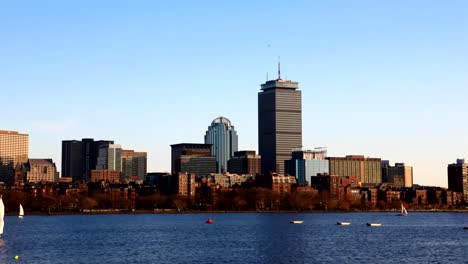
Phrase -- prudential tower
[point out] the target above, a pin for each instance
(279, 122)
(223, 137)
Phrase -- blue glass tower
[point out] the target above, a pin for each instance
(223, 138)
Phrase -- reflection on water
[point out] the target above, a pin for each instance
(243, 238)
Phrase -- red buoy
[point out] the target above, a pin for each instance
(209, 221)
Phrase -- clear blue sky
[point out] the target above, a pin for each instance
(383, 79)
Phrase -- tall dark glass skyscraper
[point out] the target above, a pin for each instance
(279, 123)
(80, 157)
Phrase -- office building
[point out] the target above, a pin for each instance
(105, 175)
(307, 163)
(193, 158)
(110, 158)
(279, 123)
(14, 150)
(80, 157)
(458, 178)
(245, 162)
(366, 170)
(223, 139)
(399, 175)
(133, 165)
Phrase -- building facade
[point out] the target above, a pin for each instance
(223, 139)
(14, 151)
(245, 162)
(193, 158)
(307, 163)
(133, 165)
(110, 158)
(366, 170)
(185, 183)
(40, 170)
(105, 175)
(458, 178)
(399, 175)
(279, 123)
(80, 157)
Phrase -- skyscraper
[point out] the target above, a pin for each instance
(458, 177)
(133, 165)
(80, 157)
(279, 123)
(14, 149)
(223, 139)
(110, 158)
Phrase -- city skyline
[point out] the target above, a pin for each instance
(376, 79)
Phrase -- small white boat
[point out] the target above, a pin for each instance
(343, 223)
(296, 222)
(21, 212)
(374, 224)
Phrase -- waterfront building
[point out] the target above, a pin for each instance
(112, 176)
(282, 183)
(399, 175)
(14, 150)
(223, 139)
(193, 158)
(366, 170)
(229, 180)
(279, 123)
(40, 170)
(336, 187)
(110, 158)
(133, 165)
(80, 157)
(185, 183)
(458, 178)
(307, 163)
(245, 162)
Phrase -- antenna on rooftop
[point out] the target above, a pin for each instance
(279, 68)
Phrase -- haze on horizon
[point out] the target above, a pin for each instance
(385, 80)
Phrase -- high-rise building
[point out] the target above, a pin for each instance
(80, 157)
(279, 123)
(223, 139)
(110, 158)
(192, 158)
(366, 170)
(245, 162)
(399, 175)
(14, 149)
(37, 170)
(133, 165)
(307, 163)
(458, 177)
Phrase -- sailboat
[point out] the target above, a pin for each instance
(21, 212)
(2, 214)
(403, 211)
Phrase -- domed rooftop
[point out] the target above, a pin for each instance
(221, 119)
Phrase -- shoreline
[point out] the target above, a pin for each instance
(174, 211)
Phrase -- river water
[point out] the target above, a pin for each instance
(236, 238)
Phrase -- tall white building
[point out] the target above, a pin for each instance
(223, 139)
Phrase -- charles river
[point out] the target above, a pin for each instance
(236, 238)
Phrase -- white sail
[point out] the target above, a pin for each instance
(2, 214)
(21, 212)
(403, 210)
